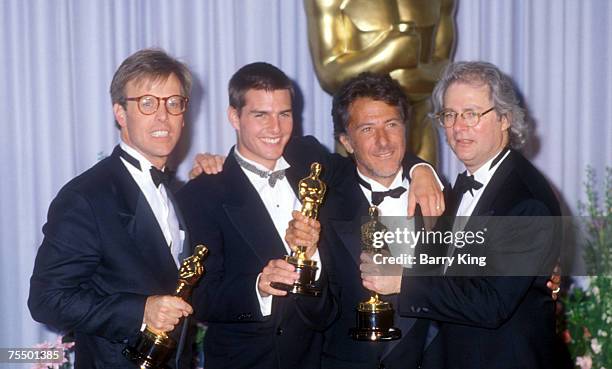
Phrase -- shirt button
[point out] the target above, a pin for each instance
(279, 331)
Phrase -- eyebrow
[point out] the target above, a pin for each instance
(470, 107)
(360, 124)
(268, 111)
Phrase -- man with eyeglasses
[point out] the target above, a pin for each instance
(500, 316)
(113, 240)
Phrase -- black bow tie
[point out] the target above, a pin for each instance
(465, 183)
(273, 177)
(379, 196)
(159, 176)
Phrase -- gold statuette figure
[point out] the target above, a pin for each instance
(311, 191)
(411, 40)
(374, 316)
(153, 348)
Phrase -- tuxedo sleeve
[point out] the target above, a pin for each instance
(488, 301)
(410, 160)
(61, 294)
(318, 312)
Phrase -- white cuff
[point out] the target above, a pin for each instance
(432, 169)
(265, 303)
(316, 257)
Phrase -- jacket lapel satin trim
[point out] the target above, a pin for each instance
(249, 216)
(347, 224)
(492, 192)
(141, 225)
(484, 207)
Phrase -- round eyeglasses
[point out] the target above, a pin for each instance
(148, 104)
(447, 118)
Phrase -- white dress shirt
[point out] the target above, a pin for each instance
(158, 200)
(482, 175)
(470, 200)
(389, 206)
(279, 201)
(394, 210)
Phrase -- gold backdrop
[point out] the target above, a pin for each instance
(412, 40)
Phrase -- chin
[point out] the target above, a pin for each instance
(386, 172)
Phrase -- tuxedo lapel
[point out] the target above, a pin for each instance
(140, 223)
(348, 219)
(294, 175)
(492, 192)
(249, 216)
(484, 207)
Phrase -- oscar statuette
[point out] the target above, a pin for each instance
(153, 349)
(311, 191)
(374, 316)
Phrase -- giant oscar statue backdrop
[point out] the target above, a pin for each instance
(412, 40)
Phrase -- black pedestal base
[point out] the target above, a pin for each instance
(151, 351)
(375, 325)
(305, 284)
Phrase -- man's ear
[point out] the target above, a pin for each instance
(234, 117)
(505, 122)
(346, 142)
(120, 115)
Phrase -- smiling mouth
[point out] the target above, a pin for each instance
(269, 140)
(384, 155)
(160, 133)
(463, 141)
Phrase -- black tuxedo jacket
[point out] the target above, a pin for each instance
(496, 321)
(225, 213)
(341, 229)
(102, 255)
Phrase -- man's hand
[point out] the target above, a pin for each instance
(162, 313)
(277, 270)
(303, 231)
(554, 283)
(425, 190)
(384, 279)
(207, 163)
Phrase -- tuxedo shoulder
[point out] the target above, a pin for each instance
(204, 182)
(305, 145)
(93, 181)
(305, 141)
(203, 186)
(534, 187)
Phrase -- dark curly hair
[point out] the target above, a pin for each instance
(375, 86)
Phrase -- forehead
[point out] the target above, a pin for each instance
(277, 98)
(467, 94)
(365, 108)
(149, 83)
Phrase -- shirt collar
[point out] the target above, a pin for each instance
(145, 164)
(485, 172)
(399, 180)
(281, 163)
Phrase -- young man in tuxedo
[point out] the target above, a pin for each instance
(242, 215)
(502, 315)
(113, 239)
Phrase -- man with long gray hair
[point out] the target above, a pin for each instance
(500, 315)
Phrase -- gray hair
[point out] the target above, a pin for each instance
(501, 90)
